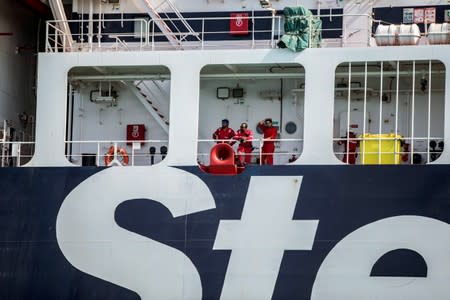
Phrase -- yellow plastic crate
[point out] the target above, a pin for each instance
(385, 151)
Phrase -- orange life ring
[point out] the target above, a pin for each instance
(121, 152)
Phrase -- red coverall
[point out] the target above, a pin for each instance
(351, 151)
(224, 134)
(245, 146)
(269, 146)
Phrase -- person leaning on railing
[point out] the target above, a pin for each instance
(270, 134)
(224, 133)
(245, 148)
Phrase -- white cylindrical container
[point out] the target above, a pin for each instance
(439, 33)
(386, 35)
(408, 34)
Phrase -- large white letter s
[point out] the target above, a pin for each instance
(91, 240)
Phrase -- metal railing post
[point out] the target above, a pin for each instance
(253, 29)
(56, 41)
(153, 36)
(147, 32)
(98, 154)
(115, 151)
(99, 34)
(47, 43)
(260, 151)
(64, 42)
(272, 30)
(279, 27)
(413, 100)
(203, 33)
(19, 146)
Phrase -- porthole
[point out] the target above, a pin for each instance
(290, 127)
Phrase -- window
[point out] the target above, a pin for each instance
(389, 112)
(258, 92)
(118, 115)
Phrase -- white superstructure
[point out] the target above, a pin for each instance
(122, 70)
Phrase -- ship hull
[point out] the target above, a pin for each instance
(53, 220)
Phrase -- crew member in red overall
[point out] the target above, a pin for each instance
(349, 153)
(224, 133)
(270, 133)
(245, 137)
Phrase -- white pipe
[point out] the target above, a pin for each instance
(396, 107)
(429, 112)
(381, 113)
(318, 8)
(347, 129)
(82, 22)
(99, 25)
(413, 110)
(364, 110)
(228, 76)
(396, 97)
(91, 23)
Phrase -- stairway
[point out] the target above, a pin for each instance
(149, 105)
(63, 25)
(181, 32)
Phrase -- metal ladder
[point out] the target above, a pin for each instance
(174, 38)
(149, 105)
(60, 15)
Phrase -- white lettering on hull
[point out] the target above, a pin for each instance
(345, 272)
(259, 239)
(92, 242)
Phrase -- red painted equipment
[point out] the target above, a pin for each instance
(239, 24)
(222, 160)
(135, 132)
(405, 154)
(121, 155)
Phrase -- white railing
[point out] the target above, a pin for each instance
(133, 30)
(117, 152)
(214, 39)
(404, 155)
(142, 35)
(15, 154)
(280, 156)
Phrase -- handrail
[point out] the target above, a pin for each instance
(123, 43)
(101, 147)
(53, 32)
(55, 39)
(145, 36)
(259, 142)
(18, 152)
(202, 42)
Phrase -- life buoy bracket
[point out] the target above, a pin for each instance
(120, 157)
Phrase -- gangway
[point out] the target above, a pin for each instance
(174, 38)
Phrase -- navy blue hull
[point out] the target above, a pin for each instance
(342, 198)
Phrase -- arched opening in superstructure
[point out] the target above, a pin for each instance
(247, 94)
(117, 115)
(389, 112)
